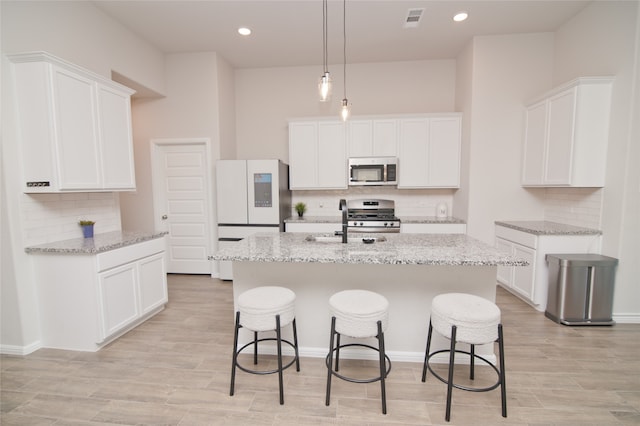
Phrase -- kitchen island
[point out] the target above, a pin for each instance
(408, 269)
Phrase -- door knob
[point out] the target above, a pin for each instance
(165, 217)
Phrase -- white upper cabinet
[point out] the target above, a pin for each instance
(317, 155)
(114, 120)
(429, 151)
(75, 127)
(566, 135)
(427, 147)
(373, 137)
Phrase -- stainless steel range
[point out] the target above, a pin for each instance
(370, 215)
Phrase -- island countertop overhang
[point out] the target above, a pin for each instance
(398, 249)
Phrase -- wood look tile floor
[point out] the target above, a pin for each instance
(174, 370)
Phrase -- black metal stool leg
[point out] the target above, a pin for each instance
(383, 367)
(330, 365)
(451, 364)
(255, 347)
(295, 345)
(426, 352)
(337, 350)
(472, 362)
(503, 390)
(279, 345)
(234, 358)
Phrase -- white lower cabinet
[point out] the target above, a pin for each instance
(531, 282)
(518, 279)
(118, 298)
(433, 228)
(86, 301)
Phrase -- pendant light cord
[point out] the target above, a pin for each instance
(325, 30)
(344, 36)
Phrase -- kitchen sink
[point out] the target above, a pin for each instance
(338, 239)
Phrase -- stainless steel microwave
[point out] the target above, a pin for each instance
(373, 171)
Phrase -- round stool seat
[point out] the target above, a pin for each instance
(475, 318)
(259, 306)
(357, 312)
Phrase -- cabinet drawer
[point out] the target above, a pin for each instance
(523, 238)
(113, 258)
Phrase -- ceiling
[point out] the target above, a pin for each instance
(289, 33)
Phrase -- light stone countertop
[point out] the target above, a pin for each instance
(403, 219)
(313, 219)
(431, 219)
(405, 249)
(543, 227)
(98, 244)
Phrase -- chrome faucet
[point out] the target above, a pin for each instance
(343, 206)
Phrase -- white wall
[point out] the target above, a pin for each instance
(79, 33)
(226, 86)
(604, 39)
(191, 109)
(507, 71)
(463, 100)
(266, 98)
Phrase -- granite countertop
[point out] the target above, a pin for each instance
(543, 227)
(98, 244)
(313, 219)
(403, 219)
(406, 249)
(431, 219)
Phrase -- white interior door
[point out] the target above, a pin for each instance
(182, 203)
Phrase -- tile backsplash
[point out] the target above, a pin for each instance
(409, 202)
(54, 217)
(574, 206)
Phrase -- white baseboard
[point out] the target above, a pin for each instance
(626, 318)
(20, 350)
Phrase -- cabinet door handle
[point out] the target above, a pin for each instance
(165, 217)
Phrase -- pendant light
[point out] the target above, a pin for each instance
(324, 85)
(344, 112)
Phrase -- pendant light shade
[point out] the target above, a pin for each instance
(344, 111)
(324, 85)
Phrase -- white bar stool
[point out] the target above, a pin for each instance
(465, 318)
(359, 314)
(260, 309)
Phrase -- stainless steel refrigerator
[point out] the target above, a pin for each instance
(252, 196)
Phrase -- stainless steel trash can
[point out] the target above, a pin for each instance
(580, 289)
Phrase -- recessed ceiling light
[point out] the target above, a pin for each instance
(460, 16)
(244, 31)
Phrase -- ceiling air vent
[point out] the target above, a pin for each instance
(413, 18)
